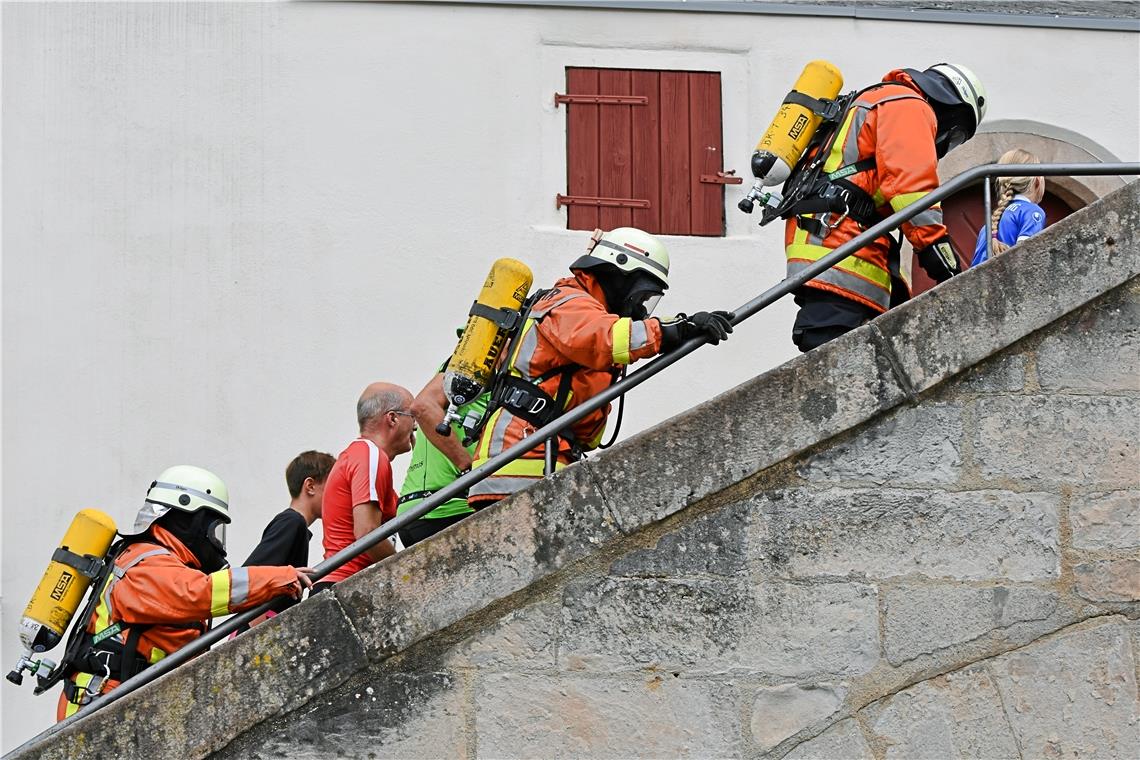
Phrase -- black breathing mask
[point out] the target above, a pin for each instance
(643, 298)
(204, 534)
(632, 295)
(955, 126)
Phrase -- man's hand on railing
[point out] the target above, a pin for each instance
(713, 325)
(939, 261)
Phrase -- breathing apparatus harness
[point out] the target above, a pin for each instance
(99, 653)
(525, 398)
(810, 191)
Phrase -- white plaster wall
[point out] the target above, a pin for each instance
(222, 221)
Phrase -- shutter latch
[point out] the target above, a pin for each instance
(722, 178)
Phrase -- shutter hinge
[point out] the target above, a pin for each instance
(582, 200)
(602, 100)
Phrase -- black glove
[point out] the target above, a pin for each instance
(939, 261)
(714, 326)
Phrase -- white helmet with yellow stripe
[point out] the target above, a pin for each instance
(629, 250)
(186, 488)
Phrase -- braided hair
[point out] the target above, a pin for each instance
(1007, 187)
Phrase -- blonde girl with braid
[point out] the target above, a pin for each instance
(1017, 215)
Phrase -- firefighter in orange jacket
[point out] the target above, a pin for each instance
(575, 342)
(169, 578)
(883, 158)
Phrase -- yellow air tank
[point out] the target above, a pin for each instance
(790, 132)
(62, 587)
(495, 312)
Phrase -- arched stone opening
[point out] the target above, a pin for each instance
(964, 211)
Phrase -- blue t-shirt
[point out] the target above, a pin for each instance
(1022, 218)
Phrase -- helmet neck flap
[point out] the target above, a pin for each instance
(958, 113)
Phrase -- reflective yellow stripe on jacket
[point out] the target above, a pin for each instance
(103, 608)
(932, 215)
(868, 281)
(620, 334)
(220, 593)
(532, 468)
(842, 154)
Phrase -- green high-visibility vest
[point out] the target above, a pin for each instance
(430, 470)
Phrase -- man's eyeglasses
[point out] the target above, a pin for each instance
(400, 411)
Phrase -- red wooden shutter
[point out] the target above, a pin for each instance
(674, 154)
(646, 129)
(707, 200)
(582, 148)
(655, 152)
(614, 148)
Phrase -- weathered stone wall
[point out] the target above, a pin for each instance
(921, 540)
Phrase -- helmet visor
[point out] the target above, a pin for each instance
(949, 140)
(645, 291)
(216, 533)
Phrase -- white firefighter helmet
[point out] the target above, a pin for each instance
(628, 249)
(969, 88)
(186, 488)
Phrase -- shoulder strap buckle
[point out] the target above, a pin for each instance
(828, 110)
(505, 318)
(86, 564)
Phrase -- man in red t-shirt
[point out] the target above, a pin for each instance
(358, 492)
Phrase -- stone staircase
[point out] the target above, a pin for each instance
(922, 539)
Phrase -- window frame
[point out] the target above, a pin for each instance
(737, 140)
(662, 152)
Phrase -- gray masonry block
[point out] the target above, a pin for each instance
(1108, 580)
(924, 619)
(1106, 521)
(1096, 349)
(1004, 373)
(1011, 296)
(713, 544)
(703, 626)
(643, 715)
(1073, 694)
(385, 715)
(959, 715)
(779, 712)
(613, 624)
(887, 533)
(523, 639)
(843, 740)
(810, 631)
(275, 667)
(1134, 630)
(1090, 441)
(910, 446)
(751, 427)
(487, 557)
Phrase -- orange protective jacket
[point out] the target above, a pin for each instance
(893, 124)
(569, 326)
(158, 583)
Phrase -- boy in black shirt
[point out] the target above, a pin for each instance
(285, 540)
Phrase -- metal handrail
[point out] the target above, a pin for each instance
(464, 482)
